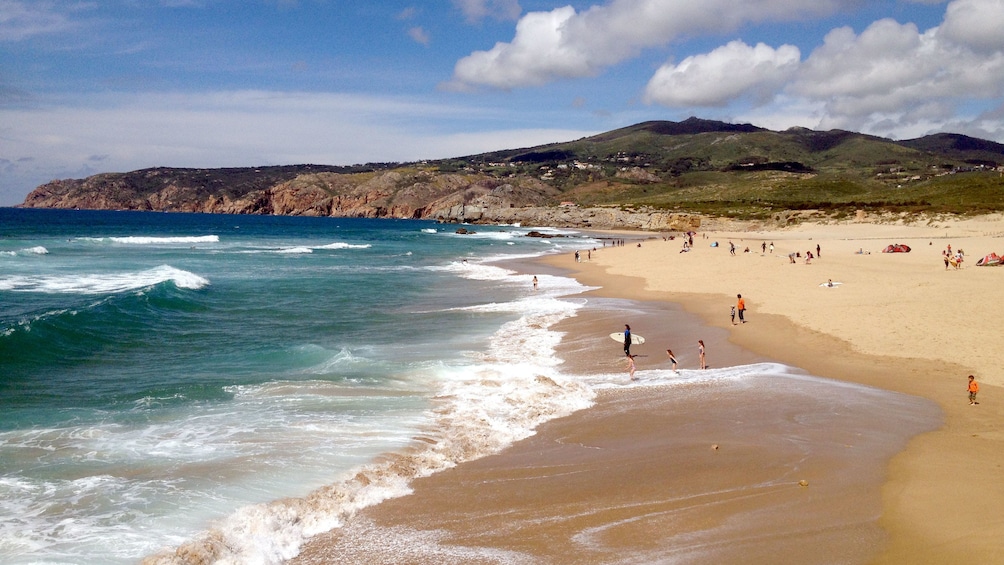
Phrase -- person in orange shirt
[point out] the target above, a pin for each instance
(741, 306)
(973, 389)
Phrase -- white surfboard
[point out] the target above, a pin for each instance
(635, 338)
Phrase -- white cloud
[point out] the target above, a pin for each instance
(477, 10)
(563, 43)
(891, 79)
(977, 24)
(733, 71)
(235, 128)
(893, 74)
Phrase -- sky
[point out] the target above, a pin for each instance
(92, 86)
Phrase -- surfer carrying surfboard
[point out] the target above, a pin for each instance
(627, 340)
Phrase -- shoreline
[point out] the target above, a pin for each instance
(941, 493)
(933, 500)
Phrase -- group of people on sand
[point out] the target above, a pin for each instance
(954, 260)
(632, 367)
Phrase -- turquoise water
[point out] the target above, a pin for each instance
(229, 386)
(159, 372)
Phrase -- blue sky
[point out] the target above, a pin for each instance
(118, 85)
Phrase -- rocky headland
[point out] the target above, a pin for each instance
(319, 191)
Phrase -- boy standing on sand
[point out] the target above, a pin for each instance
(973, 389)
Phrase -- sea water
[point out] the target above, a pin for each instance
(166, 378)
(225, 387)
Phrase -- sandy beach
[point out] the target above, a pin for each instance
(894, 467)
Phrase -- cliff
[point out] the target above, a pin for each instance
(397, 193)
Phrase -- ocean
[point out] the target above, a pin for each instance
(225, 387)
(167, 375)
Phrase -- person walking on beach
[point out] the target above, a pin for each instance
(741, 307)
(732, 248)
(772, 248)
(700, 351)
(733, 315)
(973, 389)
(631, 366)
(627, 340)
(763, 247)
(672, 359)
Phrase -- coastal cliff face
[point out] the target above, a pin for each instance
(414, 194)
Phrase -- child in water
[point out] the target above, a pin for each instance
(672, 359)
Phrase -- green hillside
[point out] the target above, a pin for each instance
(741, 170)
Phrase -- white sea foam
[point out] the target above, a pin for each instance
(37, 250)
(343, 245)
(151, 240)
(338, 245)
(103, 283)
(481, 407)
(429, 230)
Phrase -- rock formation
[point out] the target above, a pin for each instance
(398, 193)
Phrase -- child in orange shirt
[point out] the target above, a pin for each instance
(973, 389)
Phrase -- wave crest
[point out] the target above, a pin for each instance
(106, 283)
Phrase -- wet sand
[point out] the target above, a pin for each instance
(637, 478)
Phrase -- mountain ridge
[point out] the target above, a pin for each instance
(696, 166)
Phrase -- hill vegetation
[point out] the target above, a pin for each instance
(740, 170)
(692, 167)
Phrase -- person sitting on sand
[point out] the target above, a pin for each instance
(672, 359)
(973, 389)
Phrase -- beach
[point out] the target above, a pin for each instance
(883, 460)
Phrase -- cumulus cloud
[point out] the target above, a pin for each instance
(733, 71)
(564, 43)
(477, 10)
(893, 73)
(977, 24)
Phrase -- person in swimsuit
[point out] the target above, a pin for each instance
(631, 366)
(700, 349)
(672, 359)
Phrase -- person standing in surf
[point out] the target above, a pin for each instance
(672, 359)
(631, 366)
(700, 351)
(627, 340)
